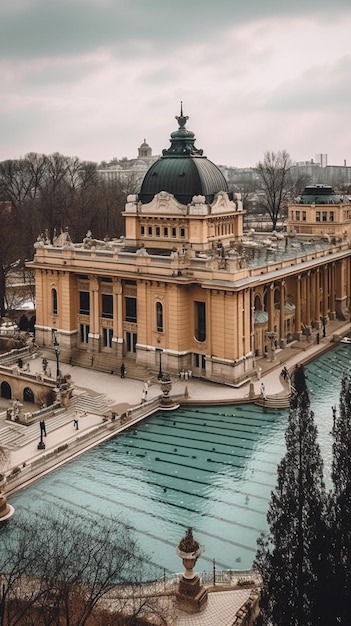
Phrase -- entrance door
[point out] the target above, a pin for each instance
(131, 340)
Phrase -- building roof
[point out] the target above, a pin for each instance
(319, 194)
(183, 170)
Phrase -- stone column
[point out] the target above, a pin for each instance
(317, 299)
(308, 298)
(325, 292)
(282, 315)
(298, 307)
(340, 271)
(271, 310)
(94, 334)
(117, 316)
(331, 271)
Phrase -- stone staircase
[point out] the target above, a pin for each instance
(278, 401)
(91, 403)
(14, 435)
(108, 363)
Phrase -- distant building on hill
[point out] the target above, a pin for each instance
(130, 170)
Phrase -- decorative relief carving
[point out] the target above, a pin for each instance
(106, 323)
(84, 319)
(117, 287)
(106, 289)
(94, 283)
(83, 285)
(130, 326)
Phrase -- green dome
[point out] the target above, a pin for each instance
(319, 194)
(183, 170)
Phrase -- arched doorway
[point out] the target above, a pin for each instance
(6, 391)
(28, 395)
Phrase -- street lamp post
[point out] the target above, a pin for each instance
(160, 374)
(57, 355)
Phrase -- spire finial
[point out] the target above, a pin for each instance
(182, 119)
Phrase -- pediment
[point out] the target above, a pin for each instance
(222, 204)
(164, 203)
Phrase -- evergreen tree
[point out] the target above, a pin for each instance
(290, 558)
(341, 504)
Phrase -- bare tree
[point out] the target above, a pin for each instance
(275, 183)
(11, 237)
(63, 566)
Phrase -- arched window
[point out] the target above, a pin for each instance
(6, 390)
(28, 395)
(54, 301)
(159, 317)
(257, 305)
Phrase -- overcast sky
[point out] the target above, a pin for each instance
(93, 78)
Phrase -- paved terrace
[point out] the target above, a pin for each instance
(97, 395)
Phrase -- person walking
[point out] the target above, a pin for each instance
(123, 371)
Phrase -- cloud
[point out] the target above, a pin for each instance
(94, 77)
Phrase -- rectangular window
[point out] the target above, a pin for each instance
(84, 302)
(303, 216)
(318, 216)
(107, 306)
(331, 216)
(84, 333)
(159, 317)
(200, 321)
(158, 231)
(174, 232)
(182, 233)
(149, 230)
(107, 337)
(324, 216)
(165, 231)
(297, 216)
(142, 230)
(131, 309)
(54, 301)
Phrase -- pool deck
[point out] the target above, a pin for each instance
(122, 394)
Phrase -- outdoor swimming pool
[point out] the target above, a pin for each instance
(211, 468)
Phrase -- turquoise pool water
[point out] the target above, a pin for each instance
(211, 468)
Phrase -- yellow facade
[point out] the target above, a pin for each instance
(186, 284)
(153, 296)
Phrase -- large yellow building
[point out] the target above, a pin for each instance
(185, 283)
